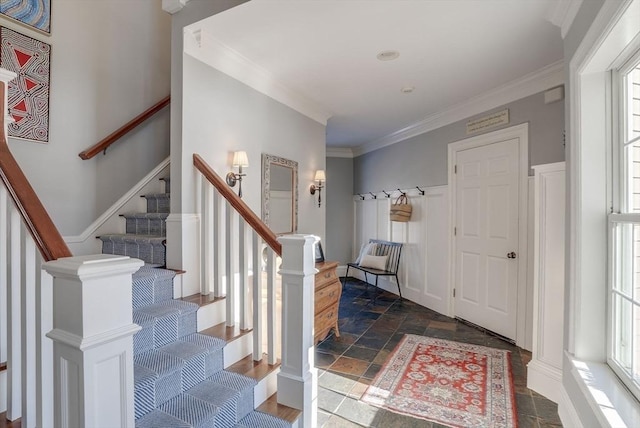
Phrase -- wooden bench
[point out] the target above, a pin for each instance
(384, 248)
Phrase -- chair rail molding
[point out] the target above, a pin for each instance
(173, 6)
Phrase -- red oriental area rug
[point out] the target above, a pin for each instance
(451, 383)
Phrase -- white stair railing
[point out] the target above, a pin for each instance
(277, 306)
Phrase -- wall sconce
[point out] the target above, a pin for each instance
(319, 178)
(240, 160)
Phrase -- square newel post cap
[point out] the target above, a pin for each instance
(92, 266)
(298, 254)
(92, 294)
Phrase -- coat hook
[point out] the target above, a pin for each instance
(402, 193)
(386, 194)
(374, 196)
(420, 190)
(362, 197)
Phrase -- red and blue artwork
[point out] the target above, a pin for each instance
(35, 13)
(28, 94)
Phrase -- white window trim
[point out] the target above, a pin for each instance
(592, 392)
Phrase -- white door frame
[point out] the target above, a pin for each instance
(521, 132)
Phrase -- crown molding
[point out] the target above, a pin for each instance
(339, 152)
(530, 84)
(216, 54)
(562, 13)
(173, 6)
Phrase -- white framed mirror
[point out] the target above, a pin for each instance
(280, 194)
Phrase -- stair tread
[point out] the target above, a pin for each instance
(272, 407)
(156, 195)
(228, 334)
(257, 419)
(132, 237)
(3, 366)
(202, 300)
(256, 370)
(139, 215)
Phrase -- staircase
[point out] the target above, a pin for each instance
(179, 373)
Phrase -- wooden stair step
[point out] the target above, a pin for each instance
(229, 334)
(272, 407)
(201, 300)
(3, 366)
(256, 370)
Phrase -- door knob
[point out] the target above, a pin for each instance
(511, 255)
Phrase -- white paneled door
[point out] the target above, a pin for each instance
(486, 234)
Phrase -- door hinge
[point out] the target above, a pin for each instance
(455, 169)
(454, 292)
(455, 231)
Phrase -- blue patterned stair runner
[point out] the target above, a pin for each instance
(179, 379)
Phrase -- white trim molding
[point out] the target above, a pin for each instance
(339, 152)
(562, 13)
(530, 84)
(173, 6)
(218, 55)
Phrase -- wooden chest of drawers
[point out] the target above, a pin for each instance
(327, 300)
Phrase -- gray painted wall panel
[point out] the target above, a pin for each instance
(339, 200)
(422, 160)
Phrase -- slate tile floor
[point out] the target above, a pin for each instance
(369, 332)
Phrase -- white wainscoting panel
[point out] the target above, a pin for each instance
(424, 265)
(545, 368)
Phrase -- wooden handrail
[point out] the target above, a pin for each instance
(44, 232)
(102, 145)
(238, 204)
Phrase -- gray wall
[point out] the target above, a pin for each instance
(422, 160)
(194, 11)
(224, 115)
(107, 66)
(339, 201)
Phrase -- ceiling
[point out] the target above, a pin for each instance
(450, 51)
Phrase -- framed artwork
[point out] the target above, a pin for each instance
(319, 254)
(28, 94)
(33, 13)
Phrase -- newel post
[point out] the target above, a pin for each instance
(93, 340)
(298, 378)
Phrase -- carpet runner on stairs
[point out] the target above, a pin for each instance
(178, 373)
(179, 379)
(145, 233)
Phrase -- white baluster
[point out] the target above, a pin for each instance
(207, 236)
(230, 299)
(44, 346)
(297, 380)
(217, 247)
(4, 239)
(28, 321)
(271, 306)
(14, 359)
(243, 272)
(257, 298)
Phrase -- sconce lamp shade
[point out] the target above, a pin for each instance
(240, 159)
(320, 175)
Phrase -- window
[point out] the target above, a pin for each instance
(624, 298)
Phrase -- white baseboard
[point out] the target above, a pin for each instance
(341, 270)
(3, 391)
(566, 411)
(545, 380)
